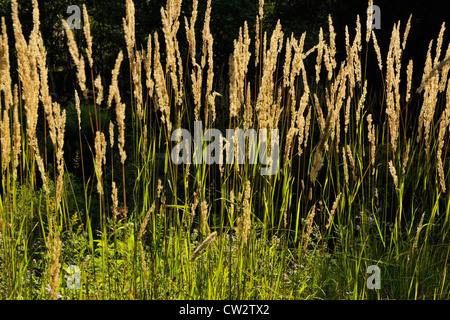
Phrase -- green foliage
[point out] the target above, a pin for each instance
(276, 237)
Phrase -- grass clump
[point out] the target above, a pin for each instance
(354, 185)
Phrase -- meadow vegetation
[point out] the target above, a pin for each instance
(360, 182)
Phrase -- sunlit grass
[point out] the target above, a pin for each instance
(353, 189)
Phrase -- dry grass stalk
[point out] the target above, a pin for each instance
(5, 77)
(197, 78)
(320, 52)
(298, 66)
(369, 23)
(77, 58)
(114, 87)
(289, 139)
(445, 68)
(333, 209)
(135, 57)
(269, 110)
(258, 31)
(301, 121)
(419, 228)
(120, 114)
(170, 23)
(203, 246)
(208, 51)
(17, 132)
(160, 86)
(99, 87)
(238, 71)
(248, 111)
(393, 172)
(335, 101)
(137, 84)
(439, 45)
(120, 107)
(88, 36)
(344, 157)
(159, 189)
(443, 127)
(243, 223)
(115, 201)
(393, 65)
(318, 155)
(129, 29)
(203, 216)
(148, 67)
(190, 30)
(161, 195)
(350, 53)
(309, 226)
(320, 118)
(145, 222)
(195, 203)
(331, 48)
(405, 35)
(77, 107)
(247, 220)
(347, 115)
(143, 265)
(360, 107)
(55, 249)
(100, 159)
(352, 161)
(287, 62)
(298, 123)
(197, 72)
(5, 87)
(233, 98)
(409, 72)
(430, 83)
(111, 134)
(231, 203)
(27, 62)
(5, 137)
(51, 113)
(377, 51)
(307, 126)
(371, 138)
(60, 121)
(357, 47)
(212, 104)
(406, 157)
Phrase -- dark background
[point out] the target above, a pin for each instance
(296, 16)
